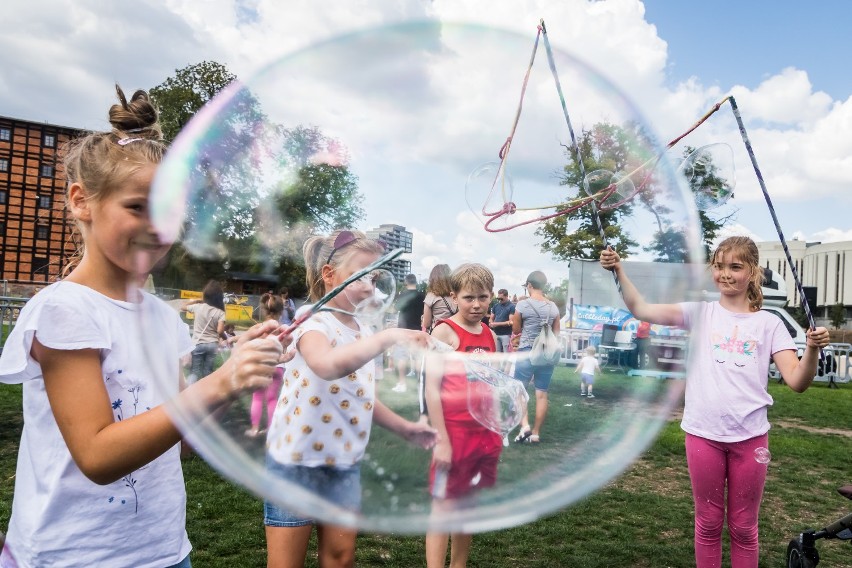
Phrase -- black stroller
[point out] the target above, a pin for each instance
(801, 552)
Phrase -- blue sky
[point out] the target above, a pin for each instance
(784, 61)
(729, 42)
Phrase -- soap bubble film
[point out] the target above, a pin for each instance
(389, 128)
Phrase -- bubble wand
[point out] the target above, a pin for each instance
(796, 280)
(319, 305)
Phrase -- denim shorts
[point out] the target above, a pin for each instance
(341, 486)
(524, 371)
(185, 563)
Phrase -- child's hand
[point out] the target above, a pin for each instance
(610, 259)
(409, 337)
(420, 434)
(442, 454)
(254, 358)
(817, 337)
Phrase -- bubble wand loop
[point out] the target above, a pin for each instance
(507, 145)
(754, 165)
(318, 306)
(599, 197)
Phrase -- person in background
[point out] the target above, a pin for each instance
(643, 337)
(725, 408)
(289, 311)
(438, 303)
(207, 328)
(266, 398)
(410, 308)
(501, 322)
(530, 315)
(588, 367)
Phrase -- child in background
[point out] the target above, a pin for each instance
(273, 308)
(229, 336)
(587, 368)
(99, 480)
(725, 411)
(322, 423)
(466, 453)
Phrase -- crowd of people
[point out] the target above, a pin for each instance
(76, 351)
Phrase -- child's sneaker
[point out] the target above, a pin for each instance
(582, 393)
(399, 388)
(590, 396)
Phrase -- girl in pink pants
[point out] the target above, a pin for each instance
(271, 307)
(724, 414)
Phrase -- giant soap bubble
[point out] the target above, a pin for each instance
(379, 131)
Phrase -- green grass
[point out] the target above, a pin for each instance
(643, 518)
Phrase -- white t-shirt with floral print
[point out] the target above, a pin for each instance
(59, 516)
(321, 422)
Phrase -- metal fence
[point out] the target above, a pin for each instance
(10, 309)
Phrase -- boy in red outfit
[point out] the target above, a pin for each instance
(466, 453)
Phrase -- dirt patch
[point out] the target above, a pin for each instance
(677, 415)
(798, 424)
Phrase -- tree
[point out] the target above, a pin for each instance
(669, 241)
(603, 147)
(181, 96)
(838, 315)
(255, 190)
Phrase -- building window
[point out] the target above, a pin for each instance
(40, 264)
(4, 165)
(44, 201)
(46, 170)
(5, 134)
(41, 232)
(2, 227)
(4, 197)
(49, 141)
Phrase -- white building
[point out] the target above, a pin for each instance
(825, 270)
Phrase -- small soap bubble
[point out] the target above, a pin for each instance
(762, 455)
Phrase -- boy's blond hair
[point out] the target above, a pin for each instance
(472, 276)
(590, 350)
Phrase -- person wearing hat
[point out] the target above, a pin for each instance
(530, 315)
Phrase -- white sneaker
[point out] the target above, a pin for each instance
(590, 396)
(399, 388)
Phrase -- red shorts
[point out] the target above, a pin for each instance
(476, 452)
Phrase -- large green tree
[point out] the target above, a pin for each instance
(179, 97)
(576, 234)
(255, 190)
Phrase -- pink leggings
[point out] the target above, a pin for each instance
(269, 395)
(710, 463)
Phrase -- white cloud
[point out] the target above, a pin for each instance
(61, 57)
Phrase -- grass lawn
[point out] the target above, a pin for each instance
(641, 519)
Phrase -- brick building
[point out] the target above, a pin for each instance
(35, 232)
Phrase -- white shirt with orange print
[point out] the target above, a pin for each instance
(319, 422)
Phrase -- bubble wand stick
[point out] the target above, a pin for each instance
(760, 181)
(318, 306)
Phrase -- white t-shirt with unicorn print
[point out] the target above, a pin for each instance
(728, 371)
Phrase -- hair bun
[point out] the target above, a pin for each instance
(137, 117)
